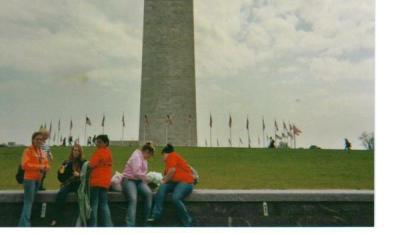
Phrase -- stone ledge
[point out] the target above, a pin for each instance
(211, 195)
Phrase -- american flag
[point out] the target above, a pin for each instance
(103, 121)
(263, 124)
(88, 122)
(146, 120)
(296, 131)
(169, 119)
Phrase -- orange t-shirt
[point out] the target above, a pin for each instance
(101, 164)
(183, 172)
(32, 162)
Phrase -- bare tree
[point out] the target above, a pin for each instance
(368, 140)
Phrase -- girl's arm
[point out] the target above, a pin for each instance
(168, 176)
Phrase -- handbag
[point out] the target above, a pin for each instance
(195, 175)
(20, 175)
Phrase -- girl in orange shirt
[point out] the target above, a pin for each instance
(35, 164)
(100, 180)
(178, 179)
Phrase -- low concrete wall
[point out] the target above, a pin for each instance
(222, 208)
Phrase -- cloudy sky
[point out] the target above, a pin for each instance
(310, 62)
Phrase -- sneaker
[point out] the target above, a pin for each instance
(53, 223)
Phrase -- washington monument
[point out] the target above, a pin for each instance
(168, 89)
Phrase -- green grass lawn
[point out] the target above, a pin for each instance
(235, 168)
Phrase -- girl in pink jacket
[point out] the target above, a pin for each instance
(135, 180)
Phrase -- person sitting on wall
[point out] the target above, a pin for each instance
(135, 181)
(178, 179)
(69, 176)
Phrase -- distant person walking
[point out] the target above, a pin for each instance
(271, 143)
(89, 141)
(64, 141)
(46, 148)
(94, 140)
(100, 180)
(69, 176)
(34, 163)
(347, 145)
(178, 179)
(70, 140)
(135, 181)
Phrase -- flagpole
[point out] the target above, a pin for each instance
(144, 133)
(263, 131)
(210, 130)
(210, 137)
(263, 138)
(294, 138)
(58, 129)
(190, 138)
(230, 135)
(84, 137)
(190, 130)
(122, 137)
(123, 126)
(230, 129)
(291, 138)
(70, 128)
(166, 134)
(248, 136)
(248, 129)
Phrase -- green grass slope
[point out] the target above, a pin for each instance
(235, 168)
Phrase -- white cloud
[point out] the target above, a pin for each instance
(304, 60)
(79, 40)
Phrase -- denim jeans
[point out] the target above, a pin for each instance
(61, 198)
(99, 202)
(130, 189)
(30, 189)
(179, 192)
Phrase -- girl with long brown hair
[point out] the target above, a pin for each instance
(69, 176)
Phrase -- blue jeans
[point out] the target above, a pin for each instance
(130, 189)
(61, 199)
(30, 189)
(179, 192)
(99, 200)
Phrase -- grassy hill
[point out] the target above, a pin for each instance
(235, 168)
